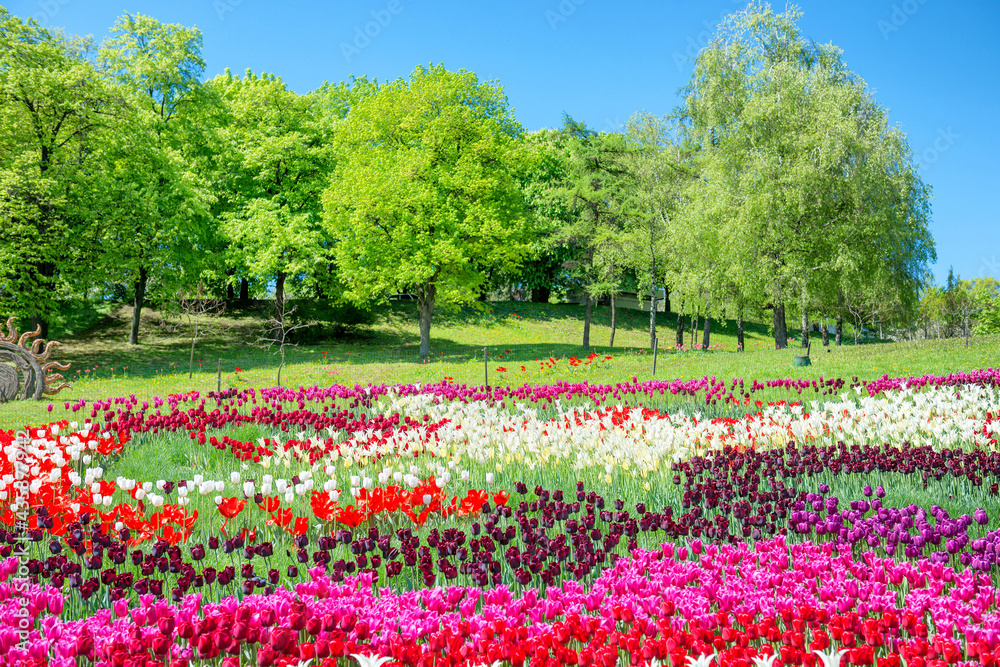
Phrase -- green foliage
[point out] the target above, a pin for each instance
(778, 182)
(803, 180)
(157, 235)
(425, 190)
(274, 159)
(56, 116)
(596, 189)
(986, 303)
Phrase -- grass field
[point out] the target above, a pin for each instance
(521, 338)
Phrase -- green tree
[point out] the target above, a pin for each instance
(986, 295)
(425, 189)
(657, 241)
(597, 191)
(276, 166)
(163, 224)
(543, 268)
(55, 117)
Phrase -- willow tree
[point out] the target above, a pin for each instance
(659, 246)
(425, 190)
(818, 187)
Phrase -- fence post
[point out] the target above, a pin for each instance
(656, 346)
(218, 378)
(486, 368)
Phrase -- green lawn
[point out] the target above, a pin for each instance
(520, 337)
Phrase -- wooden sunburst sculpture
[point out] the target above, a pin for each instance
(31, 376)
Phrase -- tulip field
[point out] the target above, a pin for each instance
(640, 523)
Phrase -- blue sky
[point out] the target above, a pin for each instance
(934, 64)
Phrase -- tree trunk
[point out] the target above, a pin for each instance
(230, 289)
(39, 322)
(138, 301)
(586, 322)
(805, 329)
(839, 336)
(707, 332)
(611, 343)
(194, 340)
(694, 325)
(541, 295)
(244, 290)
(652, 315)
(739, 329)
(425, 304)
(666, 299)
(680, 328)
(279, 289)
(826, 334)
(47, 272)
(780, 328)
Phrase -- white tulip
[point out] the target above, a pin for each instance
(831, 659)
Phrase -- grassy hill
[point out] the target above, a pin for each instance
(529, 342)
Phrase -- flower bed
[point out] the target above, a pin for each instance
(544, 525)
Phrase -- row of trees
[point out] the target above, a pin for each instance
(777, 185)
(959, 308)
